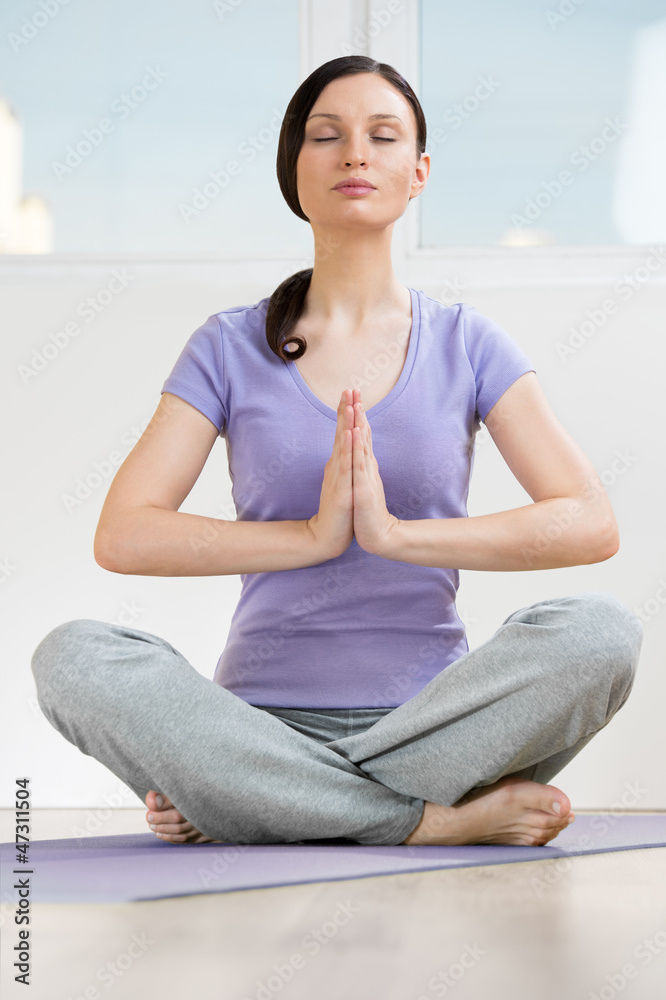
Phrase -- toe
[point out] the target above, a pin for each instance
(534, 795)
(169, 817)
(556, 802)
(157, 801)
(164, 813)
(176, 827)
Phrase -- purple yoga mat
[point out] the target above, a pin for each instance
(131, 867)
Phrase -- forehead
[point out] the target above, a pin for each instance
(361, 93)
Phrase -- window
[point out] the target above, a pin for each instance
(145, 127)
(545, 121)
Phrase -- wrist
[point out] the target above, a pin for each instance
(319, 550)
(392, 542)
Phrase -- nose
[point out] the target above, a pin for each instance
(354, 157)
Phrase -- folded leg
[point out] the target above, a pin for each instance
(237, 773)
(525, 702)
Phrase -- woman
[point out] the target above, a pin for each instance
(346, 702)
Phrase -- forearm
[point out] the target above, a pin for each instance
(151, 541)
(545, 535)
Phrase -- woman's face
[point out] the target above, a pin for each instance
(381, 151)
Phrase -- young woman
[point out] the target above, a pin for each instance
(346, 703)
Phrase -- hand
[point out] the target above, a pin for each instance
(373, 523)
(333, 525)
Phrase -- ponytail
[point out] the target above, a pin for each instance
(284, 310)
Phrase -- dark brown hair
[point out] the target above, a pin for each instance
(287, 301)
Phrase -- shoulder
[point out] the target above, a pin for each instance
(222, 328)
(460, 321)
(464, 328)
(433, 309)
(236, 325)
(239, 315)
(464, 325)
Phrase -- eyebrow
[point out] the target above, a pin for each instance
(371, 118)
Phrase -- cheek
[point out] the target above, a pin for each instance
(302, 174)
(308, 168)
(403, 173)
(400, 188)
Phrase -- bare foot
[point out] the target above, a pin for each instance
(511, 811)
(170, 825)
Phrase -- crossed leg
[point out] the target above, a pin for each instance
(466, 760)
(536, 693)
(512, 811)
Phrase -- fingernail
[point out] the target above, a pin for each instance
(150, 817)
(557, 808)
(152, 826)
(571, 819)
(159, 801)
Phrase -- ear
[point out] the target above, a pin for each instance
(422, 173)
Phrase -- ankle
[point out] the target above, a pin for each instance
(415, 836)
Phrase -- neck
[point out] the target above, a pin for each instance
(353, 284)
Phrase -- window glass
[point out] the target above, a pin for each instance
(546, 121)
(145, 127)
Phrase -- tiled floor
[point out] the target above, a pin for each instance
(593, 927)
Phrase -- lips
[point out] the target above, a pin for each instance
(354, 182)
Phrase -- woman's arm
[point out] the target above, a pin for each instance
(142, 532)
(570, 523)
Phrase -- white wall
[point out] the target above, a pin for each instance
(92, 398)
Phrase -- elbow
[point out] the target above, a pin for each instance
(605, 541)
(106, 552)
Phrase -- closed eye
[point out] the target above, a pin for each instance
(382, 138)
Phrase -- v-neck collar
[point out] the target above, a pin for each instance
(397, 388)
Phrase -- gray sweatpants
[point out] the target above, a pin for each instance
(525, 702)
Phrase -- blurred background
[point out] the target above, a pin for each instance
(118, 120)
(138, 196)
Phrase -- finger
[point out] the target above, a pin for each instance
(365, 423)
(361, 410)
(358, 414)
(358, 450)
(344, 414)
(348, 429)
(361, 422)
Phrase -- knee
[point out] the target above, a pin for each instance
(608, 635)
(64, 650)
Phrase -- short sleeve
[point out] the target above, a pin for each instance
(496, 359)
(198, 374)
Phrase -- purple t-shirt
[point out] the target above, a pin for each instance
(357, 631)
